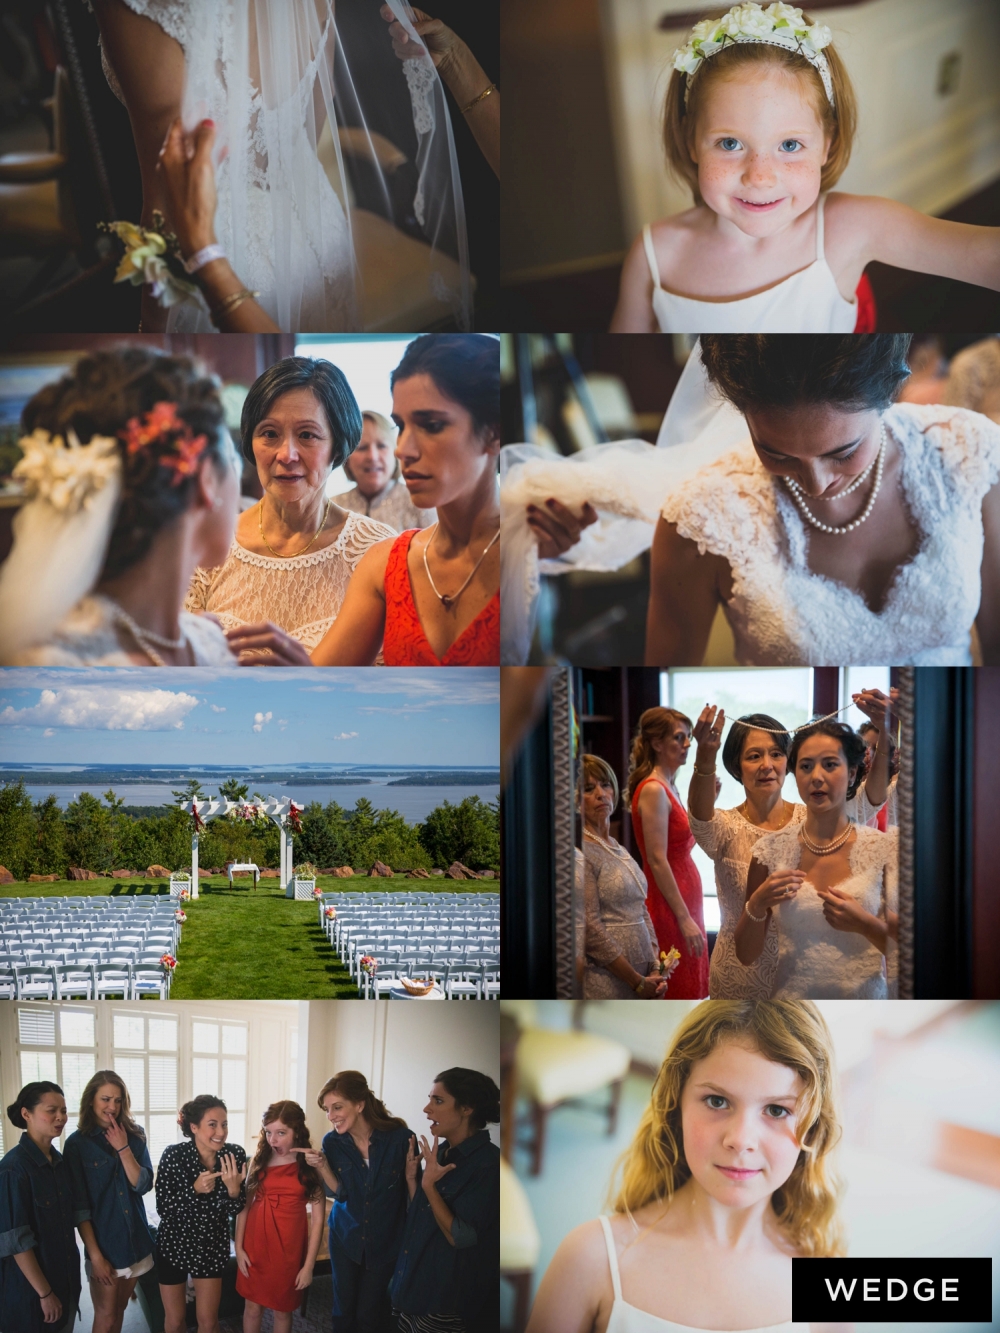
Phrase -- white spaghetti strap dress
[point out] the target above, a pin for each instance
(807, 302)
(628, 1319)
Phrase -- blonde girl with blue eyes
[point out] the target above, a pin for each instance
(727, 1180)
(759, 121)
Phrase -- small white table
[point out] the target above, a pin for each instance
(245, 868)
(401, 993)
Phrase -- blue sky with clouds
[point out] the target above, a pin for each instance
(263, 715)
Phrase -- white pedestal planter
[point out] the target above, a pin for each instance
(178, 882)
(302, 889)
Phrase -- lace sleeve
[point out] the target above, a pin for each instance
(963, 461)
(779, 850)
(197, 593)
(707, 833)
(728, 509)
(600, 946)
(360, 533)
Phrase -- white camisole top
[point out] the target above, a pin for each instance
(807, 302)
(627, 1319)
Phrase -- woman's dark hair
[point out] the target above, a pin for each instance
(884, 737)
(193, 1112)
(353, 1085)
(476, 1091)
(88, 1121)
(107, 390)
(326, 381)
(732, 750)
(29, 1097)
(853, 372)
(464, 366)
(850, 742)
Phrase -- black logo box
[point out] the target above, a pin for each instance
(888, 1291)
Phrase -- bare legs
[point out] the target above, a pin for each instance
(149, 67)
(110, 1304)
(251, 1319)
(207, 1294)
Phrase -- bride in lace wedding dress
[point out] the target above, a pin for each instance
(339, 198)
(830, 523)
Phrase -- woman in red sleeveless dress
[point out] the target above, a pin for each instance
(429, 597)
(665, 840)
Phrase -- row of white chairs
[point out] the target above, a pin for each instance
(458, 980)
(84, 979)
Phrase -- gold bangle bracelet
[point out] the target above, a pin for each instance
(703, 773)
(232, 301)
(482, 96)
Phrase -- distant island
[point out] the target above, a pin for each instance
(487, 778)
(105, 777)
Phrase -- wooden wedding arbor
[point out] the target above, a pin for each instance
(281, 811)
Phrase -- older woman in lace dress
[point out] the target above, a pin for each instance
(295, 550)
(621, 948)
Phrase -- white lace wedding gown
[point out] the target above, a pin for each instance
(275, 77)
(731, 840)
(814, 960)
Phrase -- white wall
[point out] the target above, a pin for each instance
(913, 144)
(398, 1046)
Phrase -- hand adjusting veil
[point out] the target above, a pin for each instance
(339, 197)
(626, 482)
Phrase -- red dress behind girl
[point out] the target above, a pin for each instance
(275, 1239)
(405, 643)
(690, 979)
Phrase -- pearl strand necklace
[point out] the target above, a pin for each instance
(830, 846)
(620, 854)
(145, 637)
(810, 517)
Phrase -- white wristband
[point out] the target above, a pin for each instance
(203, 257)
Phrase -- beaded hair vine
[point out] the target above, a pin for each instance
(162, 426)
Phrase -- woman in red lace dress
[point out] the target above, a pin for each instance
(430, 597)
(665, 840)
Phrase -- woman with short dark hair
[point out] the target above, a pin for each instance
(39, 1261)
(849, 528)
(447, 1277)
(831, 880)
(294, 552)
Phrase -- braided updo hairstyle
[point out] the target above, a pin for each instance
(103, 393)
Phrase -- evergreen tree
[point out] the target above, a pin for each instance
(468, 832)
(233, 789)
(192, 792)
(322, 838)
(18, 847)
(90, 837)
(50, 856)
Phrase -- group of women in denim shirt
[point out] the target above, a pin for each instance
(413, 1234)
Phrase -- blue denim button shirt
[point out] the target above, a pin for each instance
(369, 1210)
(434, 1277)
(36, 1212)
(103, 1196)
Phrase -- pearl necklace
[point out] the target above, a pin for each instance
(145, 637)
(810, 517)
(620, 854)
(830, 846)
(448, 600)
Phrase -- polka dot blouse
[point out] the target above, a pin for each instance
(194, 1228)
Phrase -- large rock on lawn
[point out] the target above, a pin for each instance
(43, 879)
(380, 869)
(270, 874)
(78, 872)
(418, 873)
(157, 872)
(488, 874)
(5, 876)
(436, 871)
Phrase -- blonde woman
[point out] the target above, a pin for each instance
(622, 952)
(378, 490)
(662, 832)
(727, 1180)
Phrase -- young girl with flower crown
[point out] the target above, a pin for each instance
(727, 1180)
(759, 121)
(276, 1240)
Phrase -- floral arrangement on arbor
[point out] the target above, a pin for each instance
(199, 823)
(294, 822)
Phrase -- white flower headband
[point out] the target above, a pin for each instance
(778, 25)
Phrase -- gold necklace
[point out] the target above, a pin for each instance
(281, 555)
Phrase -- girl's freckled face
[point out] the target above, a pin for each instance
(760, 147)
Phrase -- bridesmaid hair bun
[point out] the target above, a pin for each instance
(193, 1112)
(476, 1091)
(28, 1098)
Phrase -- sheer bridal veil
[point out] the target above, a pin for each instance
(339, 194)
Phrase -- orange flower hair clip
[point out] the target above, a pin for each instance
(163, 426)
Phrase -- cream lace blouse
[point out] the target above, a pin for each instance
(301, 595)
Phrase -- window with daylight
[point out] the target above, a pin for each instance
(58, 1047)
(146, 1057)
(219, 1066)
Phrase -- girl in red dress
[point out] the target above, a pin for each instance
(276, 1240)
(428, 597)
(665, 840)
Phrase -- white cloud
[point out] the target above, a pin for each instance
(49, 731)
(260, 720)
(216, 709)
(282, 721)
(345, 736)
(101, 708)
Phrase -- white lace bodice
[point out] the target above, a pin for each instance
(301, 595)
(88, 637)
(814, 960)
(730, 839)
(393, 507)
(782, 613)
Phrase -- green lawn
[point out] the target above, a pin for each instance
(241, 944)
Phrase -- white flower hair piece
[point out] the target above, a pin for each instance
(777, 25)
(67, 476)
